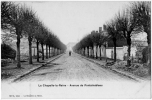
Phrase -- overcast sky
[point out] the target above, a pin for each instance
(71, 20)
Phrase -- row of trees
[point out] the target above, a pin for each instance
(132, 20)
(89, 41)
(22, 21)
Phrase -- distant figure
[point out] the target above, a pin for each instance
(69, 53)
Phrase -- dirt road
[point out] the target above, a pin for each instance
(74, 68)
(75, 77)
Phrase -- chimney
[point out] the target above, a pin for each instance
(100, 29)
(93, 32)
(104, 28)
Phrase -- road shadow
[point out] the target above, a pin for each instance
(55, 63)
(59, 69)
(54, 71)
(13, 68)
(44, 73)
(50, 65)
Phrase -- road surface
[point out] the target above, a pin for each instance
(75, 77)
(74, 68)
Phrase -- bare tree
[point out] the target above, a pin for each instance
(37, 36)
(95, 37)
(42, 40)
(142, 12)
(102, 40)
(127, 25)
(30, 29)
(89, 43)
(113, 32)
(13, 20)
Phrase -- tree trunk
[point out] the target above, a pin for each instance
(147, 30)
(18, 32)
(114, 41)
(88, 51)
(56, 51)
(100, 52)
(84, 51)
(46, 52)
(42, 51)
(106, 54)
(149, 58)
(34, 51)
(49, 52)
(92, 52)
(30, 49)
(53, 51)
(129, 49)
(37, 45)
(80, 51)
(129, 60)
(96, 52)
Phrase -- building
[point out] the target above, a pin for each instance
(139, 42)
